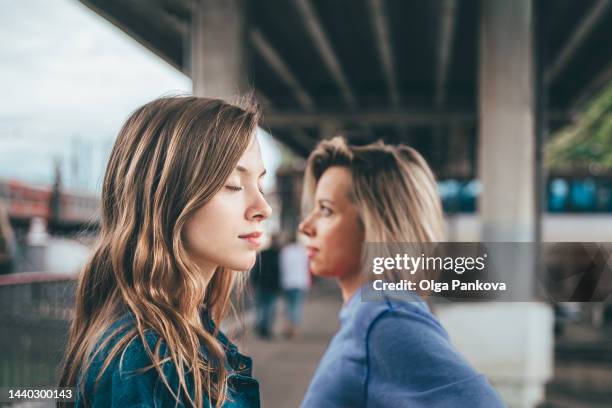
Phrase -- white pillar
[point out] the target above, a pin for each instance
(37, 242)
(218, 63)
(506, 152)
(511, 343)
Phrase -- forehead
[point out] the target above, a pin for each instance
(251, 158)
(334, 184)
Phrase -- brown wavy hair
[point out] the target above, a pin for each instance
(170, 158)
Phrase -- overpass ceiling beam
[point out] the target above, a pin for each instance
(302, 138)
(323, 46)
(281, 68)
(295, 138)
(188, 6)
(287, 119)
(380, 22)
(144, 25)
(161, 18)
(445, 46)
(576, 39)
(590, 89)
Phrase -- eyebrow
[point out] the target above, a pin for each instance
(245, 170)
(325, 200)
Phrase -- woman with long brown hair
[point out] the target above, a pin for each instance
(182, 206)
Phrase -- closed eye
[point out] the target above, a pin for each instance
(325, 210)
(235, 188)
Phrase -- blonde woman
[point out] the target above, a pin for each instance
(391, 352)
(182, 207)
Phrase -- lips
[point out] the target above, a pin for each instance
(252, 238)
(311, 252)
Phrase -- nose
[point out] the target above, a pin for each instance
(259, 210)
(306, 227)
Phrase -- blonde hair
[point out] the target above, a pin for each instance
(170, 158)
(393, 189)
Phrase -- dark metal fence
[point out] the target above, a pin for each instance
(35, 310)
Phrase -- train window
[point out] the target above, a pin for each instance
(468, 195)
(449, 192)
(604, 196)
(583, 195)
(558, 194)
(590, 194)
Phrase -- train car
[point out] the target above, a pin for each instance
(63, 208)
(25, 201)
(78, 208)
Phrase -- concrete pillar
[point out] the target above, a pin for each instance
(511, 343)
(506, 158)
(217, 55)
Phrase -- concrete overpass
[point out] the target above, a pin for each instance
(402, 69)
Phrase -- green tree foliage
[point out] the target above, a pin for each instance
(587, 144)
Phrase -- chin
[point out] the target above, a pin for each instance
(245, 264)
(321, 272)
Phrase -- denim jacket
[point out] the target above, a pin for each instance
(121, 386)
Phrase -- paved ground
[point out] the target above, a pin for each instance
(284, 367)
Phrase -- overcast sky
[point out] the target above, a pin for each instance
(69, 79)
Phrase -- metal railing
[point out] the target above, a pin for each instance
(35, 310)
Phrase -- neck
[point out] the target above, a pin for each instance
(349, 285)
(207, 270)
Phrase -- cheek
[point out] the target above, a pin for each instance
(204, 221)
(209, 227)
(197, 230)
(212, 235)
(343, 242)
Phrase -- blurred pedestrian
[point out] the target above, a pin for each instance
(7, 242)
(265, 280)
(295, 281)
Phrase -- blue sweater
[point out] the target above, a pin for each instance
(394, 353)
